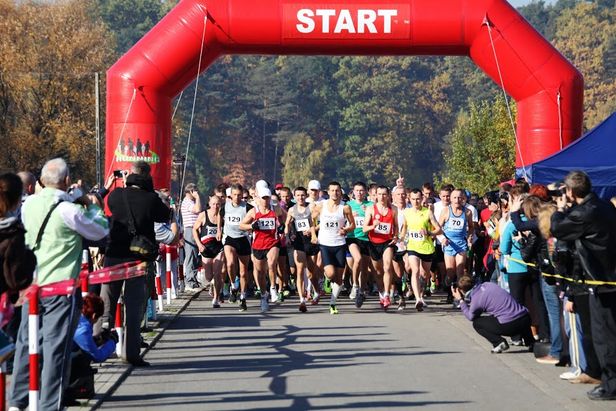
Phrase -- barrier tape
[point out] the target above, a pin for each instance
(560, 277)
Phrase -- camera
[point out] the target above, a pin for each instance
(119, 173)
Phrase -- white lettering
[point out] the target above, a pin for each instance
(387, 15)
(366, 18)
(345, 22)
(305, 17)
(325, 15)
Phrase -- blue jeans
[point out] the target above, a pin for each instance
(576, 350)
(552, 305)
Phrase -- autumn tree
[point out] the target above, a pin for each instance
(481, 148)
(303, 160)
(49, 54)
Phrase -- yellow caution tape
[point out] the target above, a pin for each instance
(587, 282)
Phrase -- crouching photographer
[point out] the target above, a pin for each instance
(590, 223)
(505, 316)
(88, 348)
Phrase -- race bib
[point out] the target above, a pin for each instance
(233, 219)
(456, 223)
(359, 221)
(267, 224)
(382, 228)
(210, 232)
(331, 225)
(416, 236)
(302, 225)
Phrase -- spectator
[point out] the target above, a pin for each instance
(167, 235)
(591, 223)
(139, 201)
(54, 227)
(505, 315)
(190, 209)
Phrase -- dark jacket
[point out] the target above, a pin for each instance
(592, 226)
(17, 261)
(146, 208)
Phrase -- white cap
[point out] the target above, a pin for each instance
(314, 185)
(228, 192)
(261, 184)
(264, 192)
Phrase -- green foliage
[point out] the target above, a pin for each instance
(480, 150)
(303, 160)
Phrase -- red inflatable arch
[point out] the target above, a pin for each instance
(142, 84)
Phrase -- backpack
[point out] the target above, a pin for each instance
(17, 261)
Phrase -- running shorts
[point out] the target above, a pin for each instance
(455, 248)
(335, 256)
(262, 254)
(377, 250)
(241, 245)
(364, 246)
(212, 249)
(426, 258)
(399, 256)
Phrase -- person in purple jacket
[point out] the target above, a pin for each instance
(504, 315)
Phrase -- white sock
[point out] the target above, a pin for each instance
(335, 293)
(242, 296)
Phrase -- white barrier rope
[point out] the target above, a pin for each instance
(130, 106)
(192, 115)
(502, 84)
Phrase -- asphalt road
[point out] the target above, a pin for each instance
(360, 359)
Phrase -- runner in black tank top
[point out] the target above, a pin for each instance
(207, 230)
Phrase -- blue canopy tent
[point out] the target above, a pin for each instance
(593, 153)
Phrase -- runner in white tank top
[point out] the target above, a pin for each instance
(333, 215)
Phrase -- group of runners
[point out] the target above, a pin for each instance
(378, 237)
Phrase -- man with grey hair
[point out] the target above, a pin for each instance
(190, 209)
(54, 230)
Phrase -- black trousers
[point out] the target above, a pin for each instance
(518, 284)
(603, 325)
(489, 328)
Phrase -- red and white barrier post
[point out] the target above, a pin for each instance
(3, 386)
(159, 291)
(168, 274)
(119, 327)
(33, 350)
(84, 268)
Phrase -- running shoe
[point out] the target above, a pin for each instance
(432, 286)
(280, 298)
(359, 300)
(316, 297)
(273, 295)
(215, 303)
(327, 286)
(286, 292)
(302, 307)
(419, 305)
(265, 303)
(258, 293)
(233, 295)
(386, 302)
(424, 304)
(333, 310)
(353, 293)
(500, 348)
(401, 304)
(243, 306)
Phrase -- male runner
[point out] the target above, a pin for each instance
(267, 224)
(358, 243)
(420, 226)
(399, 264)
(382, 228)
(237, 243)
(332, 216)
(301, 232)
(457, 223)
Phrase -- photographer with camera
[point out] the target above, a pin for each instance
(134, 210)
(505, 316)
(590, 223)
(55, 224)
